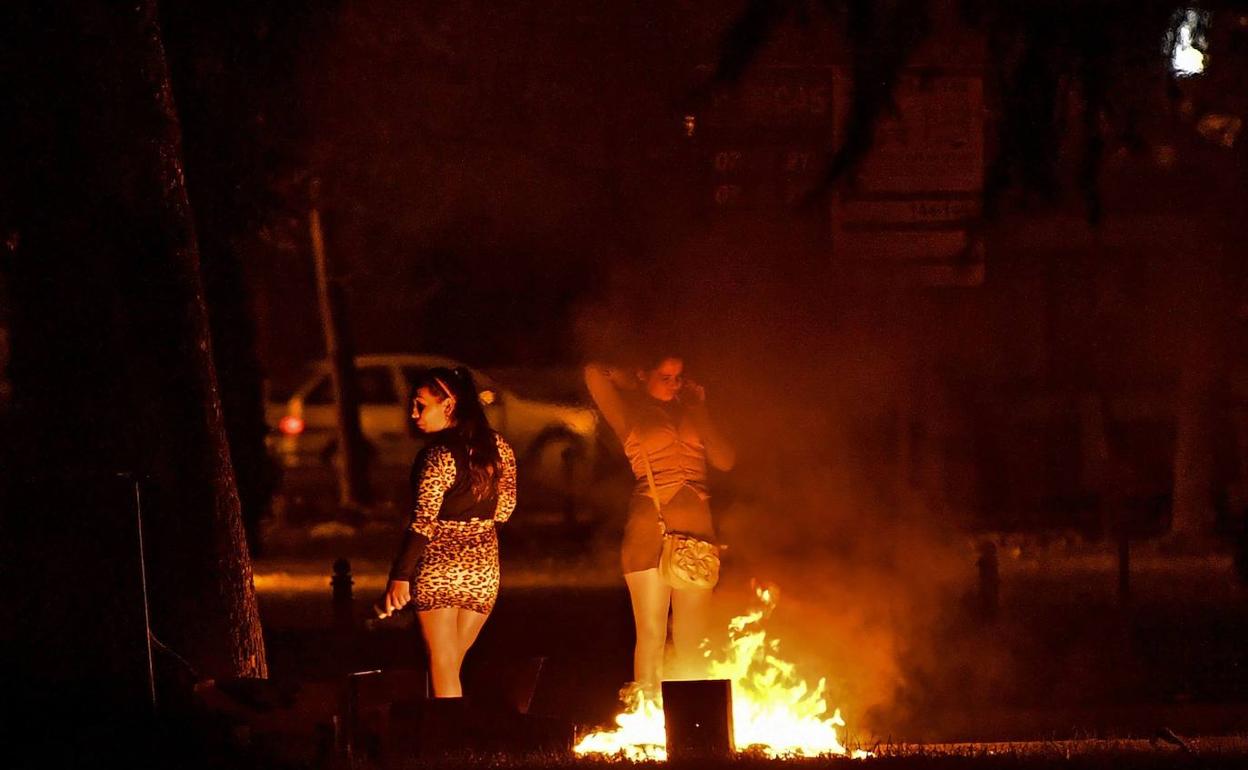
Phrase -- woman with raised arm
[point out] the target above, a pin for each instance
(464, 485)
(669, 439)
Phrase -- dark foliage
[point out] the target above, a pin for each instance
(1041, 58)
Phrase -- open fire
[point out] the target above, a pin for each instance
(775, 712)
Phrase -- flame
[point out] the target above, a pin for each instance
(641, 733)
(775, 712)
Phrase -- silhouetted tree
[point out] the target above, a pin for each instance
(113, 377)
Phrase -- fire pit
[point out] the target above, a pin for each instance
(773, 711)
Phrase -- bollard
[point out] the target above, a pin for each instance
(343, 602)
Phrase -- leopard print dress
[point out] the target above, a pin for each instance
(459, 566)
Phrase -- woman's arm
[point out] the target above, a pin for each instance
(719, 453)
(506, 481)
(437, 475)
(604, 385)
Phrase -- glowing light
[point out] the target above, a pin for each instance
(641, 733)
(290, 425)
(776, 713)
(1186, 42)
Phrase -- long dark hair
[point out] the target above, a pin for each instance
(469, 437)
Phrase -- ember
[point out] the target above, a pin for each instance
(775, 712)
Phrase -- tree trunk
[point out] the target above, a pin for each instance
(229, 154)
(240, 382)
(220, 627)
(1204, 309)
(351, 465)
(113, 374)
(1193, 512)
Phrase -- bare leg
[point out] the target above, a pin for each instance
(690, 610)
(651, 598)
(467, 626)
(442, 639)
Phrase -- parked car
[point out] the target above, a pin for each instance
(555, 441)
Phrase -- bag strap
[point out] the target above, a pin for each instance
(654, 495)
(654, 488)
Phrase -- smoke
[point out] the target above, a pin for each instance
(815, 376)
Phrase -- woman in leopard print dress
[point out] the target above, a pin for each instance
(464, 483)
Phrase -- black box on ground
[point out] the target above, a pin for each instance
(698, 715)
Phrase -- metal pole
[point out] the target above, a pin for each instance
(350, 473)
(147, 616)
(1124, 566)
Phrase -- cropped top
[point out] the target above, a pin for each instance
(439, 498)
(665, 436)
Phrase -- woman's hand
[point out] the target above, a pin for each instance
(692, 393)
(398, 595)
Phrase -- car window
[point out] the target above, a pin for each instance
(373, 383)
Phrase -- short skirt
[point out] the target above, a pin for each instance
(459, 567)
(686, 512)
